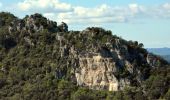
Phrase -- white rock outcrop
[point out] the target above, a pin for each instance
(97, 73)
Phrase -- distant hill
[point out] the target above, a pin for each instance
(164, 52)
(159, 51)
(167, 57)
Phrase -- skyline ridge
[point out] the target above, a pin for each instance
(144, 21)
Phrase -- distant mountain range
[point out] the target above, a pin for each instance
(167, 57)
(159, 51)
(164, 52)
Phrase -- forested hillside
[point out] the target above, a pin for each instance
(41, 60)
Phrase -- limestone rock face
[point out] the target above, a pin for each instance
(97, 73)
(111, 64)
(103, 66)
(151, 60)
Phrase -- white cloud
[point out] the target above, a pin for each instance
(59, 11)
(56, 10)
(166, 6)
(161, 11)
(44, 6)
(100, 14)
(166, 10)
(136, 9)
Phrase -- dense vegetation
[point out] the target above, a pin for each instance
(27, 72)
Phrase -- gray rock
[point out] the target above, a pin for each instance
(28, 41)
(64, 51)
(96, 73)
(151, 60)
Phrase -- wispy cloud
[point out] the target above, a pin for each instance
(99, 14)
(107, 14)
(60, 11)
(44, 6)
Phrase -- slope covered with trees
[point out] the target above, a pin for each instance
(43, 63)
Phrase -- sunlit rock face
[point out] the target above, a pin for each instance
(97, 73)
(111, 65)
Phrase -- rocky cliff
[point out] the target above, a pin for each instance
(94, 58)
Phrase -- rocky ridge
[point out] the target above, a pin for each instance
(92, 58)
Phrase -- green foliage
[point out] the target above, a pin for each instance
(7, 17)
(158, 83)
(86, 94)
(167, 95)
(27, 72)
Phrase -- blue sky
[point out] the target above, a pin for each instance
(146, 21)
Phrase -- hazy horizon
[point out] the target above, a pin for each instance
(143, 21)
